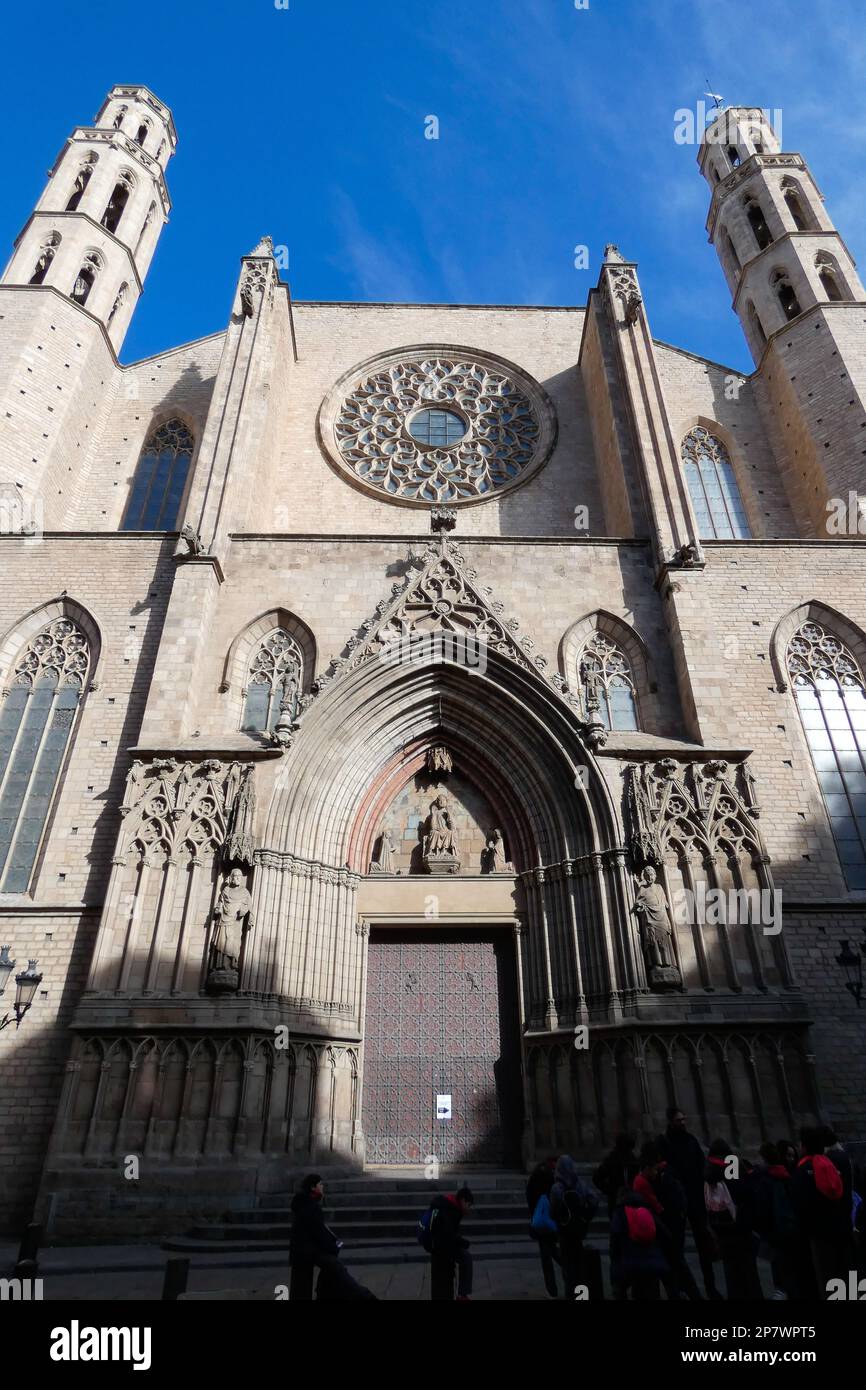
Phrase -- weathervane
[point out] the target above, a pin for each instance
(715, 97)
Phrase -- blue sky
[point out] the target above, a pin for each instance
(556, 130)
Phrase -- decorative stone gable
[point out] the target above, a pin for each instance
(442, 601)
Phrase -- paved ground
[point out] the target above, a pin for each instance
(135, 1273)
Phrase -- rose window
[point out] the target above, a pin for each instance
(444, 428)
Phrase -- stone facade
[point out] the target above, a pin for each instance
(570, 519)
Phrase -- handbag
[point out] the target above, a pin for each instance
(542, 1223)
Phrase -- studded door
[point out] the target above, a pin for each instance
(441, 1021)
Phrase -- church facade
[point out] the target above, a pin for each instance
(428, 732)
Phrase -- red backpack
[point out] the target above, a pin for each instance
(641, 1225)
(828, 1179)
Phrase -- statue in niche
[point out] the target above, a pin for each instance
(657, 933)
(386, 863)
(181, 788)
(496, 860)
(440, 840)
(233, 917)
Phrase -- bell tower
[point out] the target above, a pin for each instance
(93, 232)
(67, 297)
(801, 303)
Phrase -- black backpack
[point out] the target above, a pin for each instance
(575, 1209)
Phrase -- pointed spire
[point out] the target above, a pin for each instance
(264, 248)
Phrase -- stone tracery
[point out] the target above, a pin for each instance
(508, 427)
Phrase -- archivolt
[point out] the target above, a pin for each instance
(506, 728)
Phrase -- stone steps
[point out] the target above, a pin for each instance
(379, 1210)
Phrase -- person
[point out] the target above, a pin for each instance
(729, 1217)
(824, 1210)
(636, 1258)
(312, 1244)
(787, 1152)
(539, 1184)
(617, 1169)
(668, 1192)
(684, 1155)
(572, 1206)
(777, 1224)
(448, 1248)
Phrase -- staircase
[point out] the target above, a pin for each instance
(376, 1214)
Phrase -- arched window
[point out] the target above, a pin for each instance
(785, 294)
(86, 276)
(36, 718)
(116, 203)
(82, 179)
(119, 299)
(160, 478)
(119, 118)
(606, 683)
(713, 487)
(828, 274)
(758, 224)
(46, 256)
(829, 688)
(756, 326)
(733, 156)
(151, 213)
(274, 675)
(795, 206)
(731, 251)
(142, 133)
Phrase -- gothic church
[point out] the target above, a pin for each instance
(424, 729)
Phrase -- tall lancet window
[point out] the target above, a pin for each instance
(36, 719)
(160, 479)
(606, 683)
(829, 688)
(274, 675)
(713, 487)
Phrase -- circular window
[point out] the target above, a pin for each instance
(437, 425)
(436, 429)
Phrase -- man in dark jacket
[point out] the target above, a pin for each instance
(776, 1222)
(448, 1248)
(671, 1197)
(617, 1169)
(312, 1243)
(685, 1156)
(823, 1205)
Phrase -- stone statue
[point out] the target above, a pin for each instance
(181, 788)
(439, 762)
(440, 841)
(651, 909)
(498, 864)
(233, 917)
(440, 829)
(192, 540)
(385, 864)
